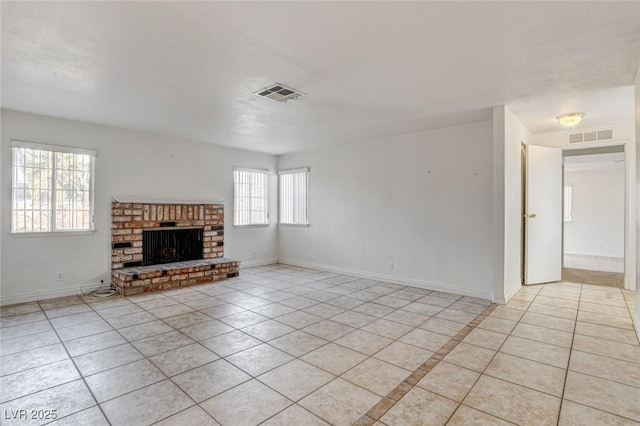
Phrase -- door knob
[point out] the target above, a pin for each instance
(532, 215)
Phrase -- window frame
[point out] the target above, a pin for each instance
(267, 174)
(567, 203)
(306, 171)
(18, 144)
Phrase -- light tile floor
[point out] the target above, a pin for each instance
(291, 346)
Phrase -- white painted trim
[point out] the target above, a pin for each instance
(248, 169)
(55, 148)
(258, 262)
(151, 200)
(585, 145)
(52, 234)
(636, 323)
(629, 148)
(42, 295)
(390, 279)
(499, 300)
(30, 297)
(291, 171)
(505, 300)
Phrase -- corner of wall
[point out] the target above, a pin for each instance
(389, 278)
(637, 136)
(499, 113)
(1, 198)
(258, 262)
(509, 133)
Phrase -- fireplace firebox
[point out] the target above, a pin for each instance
(171, 245)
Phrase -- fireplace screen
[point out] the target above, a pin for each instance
(171, 245)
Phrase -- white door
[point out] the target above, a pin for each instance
(543, 215)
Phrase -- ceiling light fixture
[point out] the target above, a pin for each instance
(571, 119)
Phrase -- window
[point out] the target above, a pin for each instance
(250, 197)
(294, 198)
(567, 202)
(52, 188)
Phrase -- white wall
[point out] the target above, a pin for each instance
(422, 201)
(128, 163)
(597, 223)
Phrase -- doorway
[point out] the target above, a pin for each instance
(553, 255)
(594, 216)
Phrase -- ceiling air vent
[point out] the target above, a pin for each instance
(591, 136)
(279, 92)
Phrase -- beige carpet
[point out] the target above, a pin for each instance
(583, 276)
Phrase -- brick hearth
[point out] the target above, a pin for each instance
(170, 275)
(129, 220)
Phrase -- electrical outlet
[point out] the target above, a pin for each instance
(60, 276)
(390, 266)
(255, 254)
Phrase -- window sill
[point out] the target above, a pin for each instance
(265, 225)
(51, 234)
(295, 225)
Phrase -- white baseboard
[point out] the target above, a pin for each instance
(30, 297)
(257, 262)
(503, 300)
(50, 294)
(390, 279)
(70, 291)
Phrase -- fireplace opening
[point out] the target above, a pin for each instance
(171, 245)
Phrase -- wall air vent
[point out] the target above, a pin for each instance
(279, 92)
(605, 134)
(576, 138)
(591, 136)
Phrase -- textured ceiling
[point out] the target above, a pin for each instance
(189, 69)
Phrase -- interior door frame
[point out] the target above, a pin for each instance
(629, 200)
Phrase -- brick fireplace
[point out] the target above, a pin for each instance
(157, 246)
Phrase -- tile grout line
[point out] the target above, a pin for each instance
(303, 310)
(296, 403)
(387, 402)
(339, 376)
(562, 399)
(497, 351)
(336, 376)
(77, 369)
(263, 342)
(371, 420)
(566, 374)
(99, 404)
